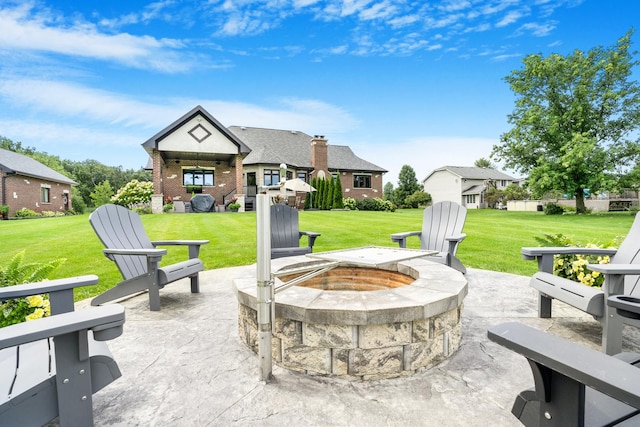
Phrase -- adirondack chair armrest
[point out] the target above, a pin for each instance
(454, 240)
(544, 255)
(149, 253)
(618, 269)
(194, 245)
(575, 364)
(105, 321)
(179, 242)
(401, 238)
(311, 235)
(47, 286)
(60, 291)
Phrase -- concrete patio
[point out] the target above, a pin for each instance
(186, 366)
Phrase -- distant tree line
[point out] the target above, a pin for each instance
(96, 181)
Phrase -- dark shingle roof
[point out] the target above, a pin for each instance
(472, 172)
(23, 165)
(274, 146)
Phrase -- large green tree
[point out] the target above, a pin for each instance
(575, 120)
(407, 185)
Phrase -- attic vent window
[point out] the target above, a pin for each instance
(199, 133)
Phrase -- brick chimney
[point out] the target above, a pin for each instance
(319, 156)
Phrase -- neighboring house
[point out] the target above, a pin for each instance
(197, 152)
(464, 185)
(27, 183)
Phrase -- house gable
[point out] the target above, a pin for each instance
(195, 132)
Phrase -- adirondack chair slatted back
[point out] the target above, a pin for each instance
(440, 220)
(118, 227)
(285, 231)
(629, 253)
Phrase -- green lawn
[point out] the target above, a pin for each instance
(494, 238)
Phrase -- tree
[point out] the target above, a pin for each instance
(575, 120)
(417, 199)
(407, 185)
(484, 163)
(337, 194)
(387, 191)
(515, 192)
(101, 194)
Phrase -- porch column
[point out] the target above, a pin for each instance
(157, 197)
(239, 184)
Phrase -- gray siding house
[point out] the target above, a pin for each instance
(464, 185)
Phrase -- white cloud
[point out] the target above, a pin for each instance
(115, 119)
(509, 18)
(378, 11)
(22, 29)
(536, 29)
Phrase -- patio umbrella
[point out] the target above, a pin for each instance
(297, 185)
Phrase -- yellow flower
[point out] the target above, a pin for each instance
(37, 314)
(560, 261)
(595, 273)
(47, 308)
(35, 300)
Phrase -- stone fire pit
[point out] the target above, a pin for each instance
(361, 323)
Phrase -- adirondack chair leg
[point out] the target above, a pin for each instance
(455, 263)
(122, 289)
(154, 296)
(612, 332)
(612, 324)
(195, 284)
(544, 306)
(73, 379)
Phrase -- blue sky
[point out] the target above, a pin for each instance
(399, 81)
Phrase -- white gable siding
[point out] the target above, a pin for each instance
(444, 186)
(181, 140)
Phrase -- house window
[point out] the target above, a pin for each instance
(470, 199)
(302, 176)
(289, 175)
(335, 176)
(361, 181)
(503, 183)
(198, 176)
(271, 177)
(46, 194)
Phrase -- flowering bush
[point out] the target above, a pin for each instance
(134, 194)
(574, 267)
(32, 307)
(26, 213)
(350, 203)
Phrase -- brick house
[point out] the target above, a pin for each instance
(27, 183)
(197, 153)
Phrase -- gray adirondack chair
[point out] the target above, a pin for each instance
(285, 233)
(127, 244)
(574, 385)
(622, 276)
(441, 231)
(50, 367)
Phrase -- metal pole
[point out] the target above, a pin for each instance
(265, 285)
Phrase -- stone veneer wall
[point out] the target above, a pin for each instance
(358, 352)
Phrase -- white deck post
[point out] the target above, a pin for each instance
(265, 285)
